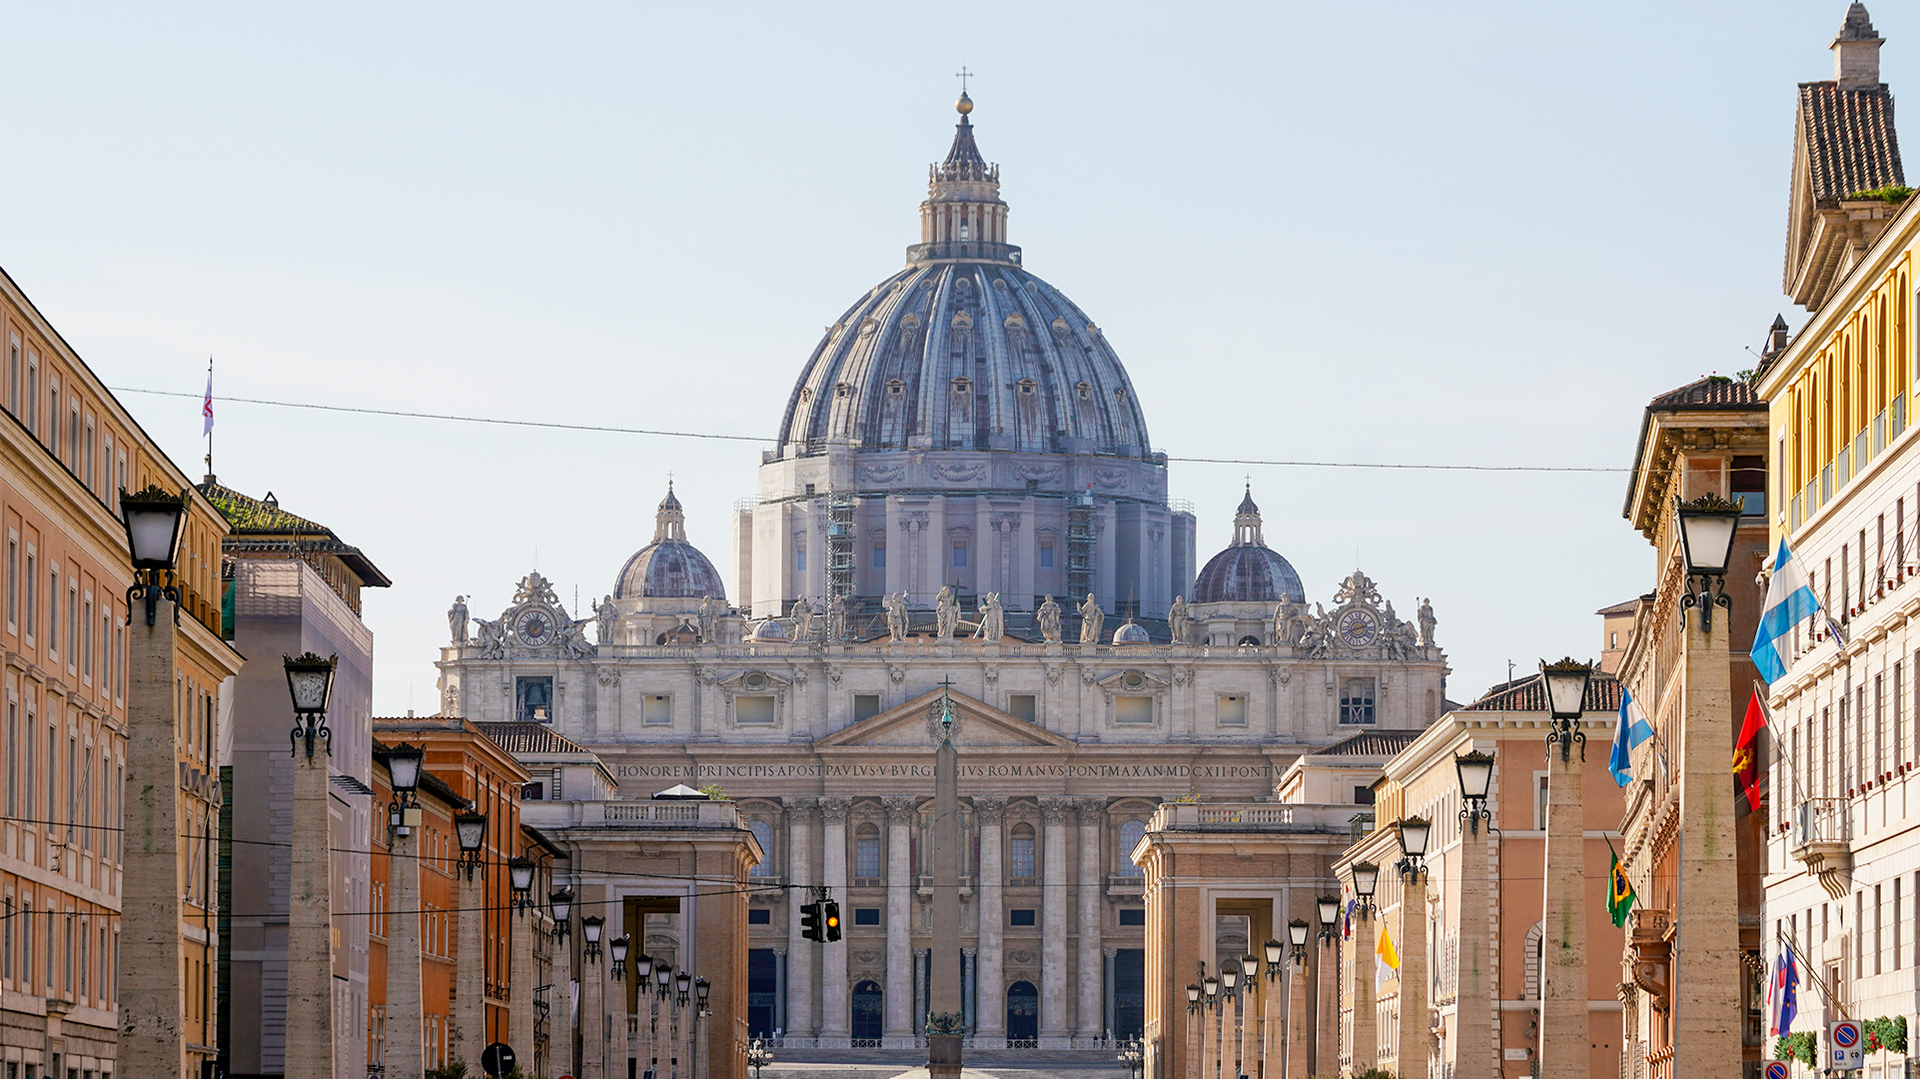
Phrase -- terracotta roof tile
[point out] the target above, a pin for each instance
(1711, 392)
(1370, 744)
(1851, 145)
(1530, 695)
(536, 738)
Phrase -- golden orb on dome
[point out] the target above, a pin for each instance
(964, 105)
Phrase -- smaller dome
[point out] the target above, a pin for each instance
(1131, 633)
(1248, 571)
(669, 566)
(770, 630)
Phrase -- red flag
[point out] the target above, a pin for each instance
(1746, 766)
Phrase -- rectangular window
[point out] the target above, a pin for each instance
(93, 460)
(1540, 801)
(1022, 860)
(13, 756)
(53, 611)
(1133, 710)
(1021, 916)
(799, 558)
(866, 915)
(1899, 716)
(1046, 556)
(1356, 700)
(32, 601)
(1133, 916)
(533, 698)
(959, 556)
(659, 710)
(865, 706)
(86, 648)
(1231, 710)
(1363, 796)
(1022, 706)
(13, 583)
(759, 916)
(754, 710)
(879, 557)
(73, 625)
(13, 393)
(6, 942)
(33, 394)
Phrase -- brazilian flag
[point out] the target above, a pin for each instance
(1619, 890)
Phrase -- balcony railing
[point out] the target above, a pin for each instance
(631, 814)
(1821, 820)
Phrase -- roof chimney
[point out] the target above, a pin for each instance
(1856, 51)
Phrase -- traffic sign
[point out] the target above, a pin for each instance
(496, 1059)
(1777, 1069)
(1846, 1052)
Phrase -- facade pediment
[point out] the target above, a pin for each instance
(977, 724)
(1132, 681)
(755, 681)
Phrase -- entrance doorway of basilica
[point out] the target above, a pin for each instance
(1023, 1016)
(868, 1023)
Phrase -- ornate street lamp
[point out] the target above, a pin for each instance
(1414, 832)
(1476, 778)
(520, 879)
(403, 766)
(1297, 936)
(1134, 1056)
(1274, 950)
(1249, 970)
(701, 989)
(591, 927)
(1212, 986)
(1366, 877)
(663, 978)
(681, 981)
(560, 901)
(152, 519)
(759, 1054)
(1708, 525)
(618, 947)
(1327, 907)
(310, 681)
(1230, 980)
(1193, 998)
(470, 828)
(643, 970)
(1566, 684)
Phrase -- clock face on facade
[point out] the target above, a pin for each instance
(1358, 628)
(536, 628)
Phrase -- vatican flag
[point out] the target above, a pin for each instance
(1386, 959)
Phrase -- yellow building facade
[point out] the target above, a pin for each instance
(67, 448)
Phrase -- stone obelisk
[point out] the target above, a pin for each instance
(946, 1022)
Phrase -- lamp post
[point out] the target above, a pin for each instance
(153, 1040)
(309, 1022)
(1209, 1038)
(1287, 1053)
(1326, 997)
(1566, 686)
(1133, 1057)
(701, 989)
(759, 1054)
(467, 1026)
(1229, 1034)
(519, 974)
(1413, 833)
(1192, 1070)
(1249, 1026)
(560, 1036)
(593, 996)
(1704, 984)
(623, 1023)
(406, 1002)
(1272, 1022)
(1564, 1043)
(1473, 1040)
(668, 1034)
(683, 1043)
(643, 1018)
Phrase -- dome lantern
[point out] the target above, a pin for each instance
(963, 216)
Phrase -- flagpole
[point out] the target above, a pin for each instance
(1761, 691)
(1813, 975)
(209, 418)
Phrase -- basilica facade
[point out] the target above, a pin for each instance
(962, 506)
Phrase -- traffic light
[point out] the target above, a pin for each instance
(810, 922)
(833, 920)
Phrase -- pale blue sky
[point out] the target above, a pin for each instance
(1478, 233)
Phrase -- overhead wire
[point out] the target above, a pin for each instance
(593, 428)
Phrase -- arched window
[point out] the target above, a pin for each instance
(866, 852)
(1021, 861)
(1130, 833)
(763, 832)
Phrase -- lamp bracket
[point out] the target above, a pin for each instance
(1567, 733)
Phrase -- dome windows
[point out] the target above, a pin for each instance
(962, 321)
(910, 321)
(1026, 387)
(962, 385)
(843, 390)
(1084, 390)
(868, 326)
(896, 388)
(1060, 326)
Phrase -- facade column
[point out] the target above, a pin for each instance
(310, 1020)
(1707, 977)
(153, 1038)
(899, 1001)
(835, 999)
(406, 1012)
(780, 991)
(1565, 1046)
(467, 1025)
(920, 989)
(520, 983)
(1088, 1012)
(1108, 1017)
(990, 991)
(1412, 945)
(801, 813)
(1053, 934)
(967, 983)
(1473, 1037)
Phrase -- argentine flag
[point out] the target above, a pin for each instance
(1632, 730)
(1789, 602)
